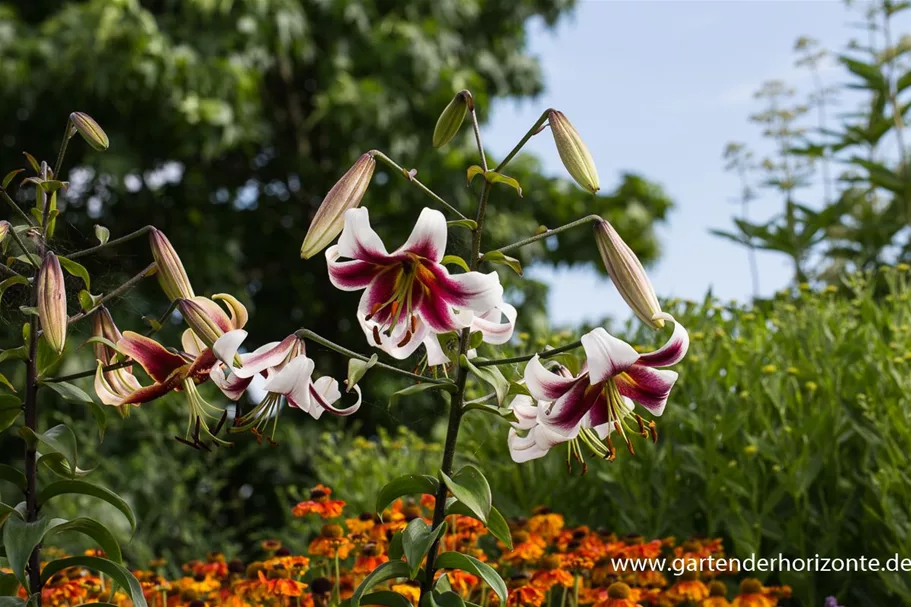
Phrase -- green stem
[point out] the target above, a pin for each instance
(336, 590)
(547, 234)
(521, 359)
(477, 133)
(87, 373)
(16, 208)
(456, 409)
(384, 158)
(308, 334)
(8, 271)
(21, 245)
(531, 133)
(66, 140)
(111, 243)
(129, 284)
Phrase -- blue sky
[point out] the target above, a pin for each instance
(659, 88)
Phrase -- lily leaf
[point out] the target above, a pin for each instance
(498, 258)
(93, 529)
(496, 524)
(418, 388)
(457, 261)
(76, 269)
(470, 487)
(463, 562)
(494, 177)
(10, 408)
(408, 484)
(9, 177)
(11, 475)
(59, 439)
(357, 369)
(10, 282)
(386, 571)
(491, 375)
(83, 488)
(473, 171)
(468, 224)
(19, 540)
(69, 392)
(102, 234)
(416, 541)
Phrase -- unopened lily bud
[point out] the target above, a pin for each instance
(330, 217)
(205, 328)
(573, 152)
(171, 275)
(451, 119)
(628, 275)
(90, 130)
(52, 303)
(4, 229)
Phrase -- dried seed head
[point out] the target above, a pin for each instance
(171, 274)
(346, 194)
(90, 130)
(573, 152)
(628, 275)
(451, 119)
(52, 302)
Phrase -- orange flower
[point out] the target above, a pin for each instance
(281, 586)
(618, 595)
(331, 542)
(319, 503)
(688, 588)
(409, 590)
(461, 581)
(717, 596)
(362, 524)
(545, 523)
(752, 594)
(550, 574)
(370, 558)
(525, 596)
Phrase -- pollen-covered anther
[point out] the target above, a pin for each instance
(653, 429)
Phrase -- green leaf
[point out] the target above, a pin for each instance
(417, 538)
(56, 463)
(494, 177)
(93, 529)
(473, 171)
(418, 388)
(408, 484)
(385, 598)
(102, 234)
(386, 571)
(69, 392)
(12, 281)
(6, 510)
(9, 585)
(20, 353)
(59, 439)
(83, 488)
(19, 540)
(32, 162)
(87, 301)
(11, 475)
(9, 177)
(118, 573)
(463, 562)
(470, 487)
(455, 260)
(396, 551)
(491, 375)
(357, 369)
(444, 599)
(11, 601)
(5, 382)
(76, 270)
(468, 224)
(10, 408)
(496, 524)
(495, 257)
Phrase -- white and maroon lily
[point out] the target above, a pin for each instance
(495, 326)
(614, 371)
(288, 373)
(408, 294)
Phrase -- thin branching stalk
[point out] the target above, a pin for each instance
(111, 243)
(407, 175)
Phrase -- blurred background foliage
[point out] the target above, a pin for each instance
(230, 119)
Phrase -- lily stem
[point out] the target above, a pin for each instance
(387, 160)
(66, 140)
(87, 373)
(308, 334)
(548, 234)
(21, 245)
(129, 284)
(521, 359)
(531, 133)
(111, 243)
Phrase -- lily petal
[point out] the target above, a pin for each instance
(473, 291)
(566, 414)
(607, 356)
(671, 352)
(225, 347)
(351, 275)
(526, 412)
(543, 384)
(359, 241)
(523, 448)
(157, 361)
(435, 354)
(327, 393)
(494, 331)
(191, 343)
(648, 387)
(428, 238)
(266, 356)
(231, 386)
(398, 344)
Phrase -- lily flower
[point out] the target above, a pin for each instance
(490, 325)
(289, 377)
(614, 371)
(208, 320)
(116, 381)
(531, 438)
(170, 371)
(408, 294)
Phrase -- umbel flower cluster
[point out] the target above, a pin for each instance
(547, 562)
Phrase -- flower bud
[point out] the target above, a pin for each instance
(628, 275)
(203, 325)
(4, 229)
(90, 130)
(573, 152)
(171, 275)
(52, 303)
(103, 326)
(451, 119)
(330, 217)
